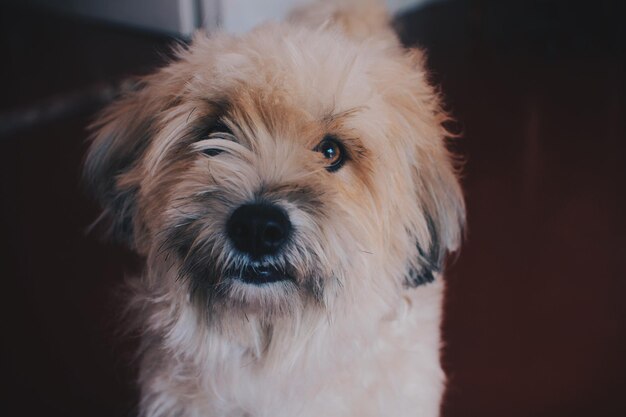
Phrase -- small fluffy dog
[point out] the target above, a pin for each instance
(292, 195)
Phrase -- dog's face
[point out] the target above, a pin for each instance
(281, 171)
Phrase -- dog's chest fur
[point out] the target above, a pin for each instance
(385, 363)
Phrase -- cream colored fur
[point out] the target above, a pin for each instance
(351, 335)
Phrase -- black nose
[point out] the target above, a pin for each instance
(258, 229)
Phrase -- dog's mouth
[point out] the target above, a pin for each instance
(260, 273)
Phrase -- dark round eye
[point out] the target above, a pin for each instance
(217, 128)
(333, 152)
(212, 152)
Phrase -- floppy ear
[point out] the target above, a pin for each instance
(444, 215)
(120, 136)
(437, 185)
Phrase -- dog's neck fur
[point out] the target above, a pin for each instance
(304, 356)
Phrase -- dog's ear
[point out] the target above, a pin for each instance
(443, 209)
(436, 180)
(119, 137)
(120, 134)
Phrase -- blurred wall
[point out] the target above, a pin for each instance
(242, 15)
(182, 17)
(177, 17)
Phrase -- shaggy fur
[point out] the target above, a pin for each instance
(354, 331)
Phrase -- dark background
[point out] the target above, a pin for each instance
(536, 309)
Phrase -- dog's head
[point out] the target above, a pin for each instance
(281, 170)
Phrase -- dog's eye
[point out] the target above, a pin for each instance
(333, 152)
(218, 130)
(212, 152)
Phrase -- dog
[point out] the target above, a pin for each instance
(293, 197)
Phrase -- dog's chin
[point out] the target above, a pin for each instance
(260, 274)
(259, 288)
